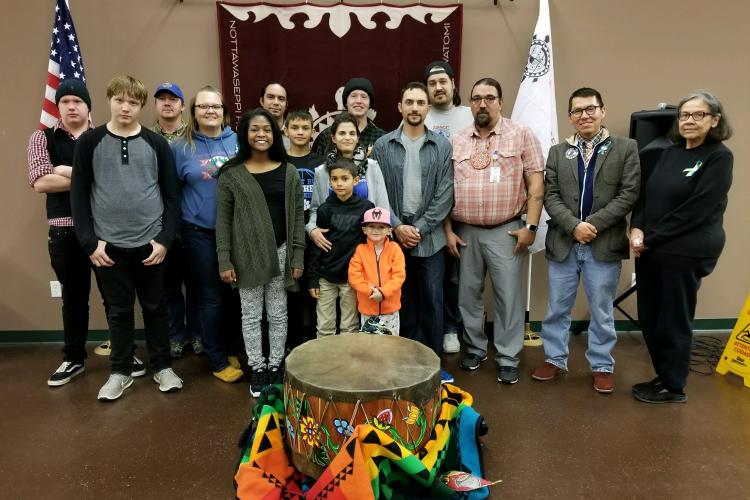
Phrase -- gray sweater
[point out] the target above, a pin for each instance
(245, 239)
(124, 190)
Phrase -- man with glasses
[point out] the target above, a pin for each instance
(592, 183)
(498, 175)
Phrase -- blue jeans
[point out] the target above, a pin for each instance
(206, 289)
(178, 305)
(600, 280)
(422, 300)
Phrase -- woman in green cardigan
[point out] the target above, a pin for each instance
(260, 237)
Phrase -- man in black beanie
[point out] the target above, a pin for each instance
(50, 160)
(359, 97)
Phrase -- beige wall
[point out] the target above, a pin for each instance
(637, 53)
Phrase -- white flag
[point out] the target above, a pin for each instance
(535, 104)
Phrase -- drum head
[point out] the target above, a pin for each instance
(364, 367)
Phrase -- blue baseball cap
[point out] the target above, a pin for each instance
(172, 88)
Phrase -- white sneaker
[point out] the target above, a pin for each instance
(114, 387)
(451, 345)
(168, 380)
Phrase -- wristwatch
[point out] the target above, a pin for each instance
(532, 227)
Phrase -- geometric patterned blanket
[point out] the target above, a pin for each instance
(370, 464)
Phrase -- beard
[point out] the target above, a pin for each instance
(482, 119)
(414, 120)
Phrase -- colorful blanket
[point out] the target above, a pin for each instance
(370, 464)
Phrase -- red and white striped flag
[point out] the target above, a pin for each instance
(65, 61)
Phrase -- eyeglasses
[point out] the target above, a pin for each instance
(488, 99)
(697, 115)
(590, 110)
(206, 107)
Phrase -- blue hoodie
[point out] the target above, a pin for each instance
(197, 173)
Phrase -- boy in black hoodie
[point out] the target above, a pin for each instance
(339, 217)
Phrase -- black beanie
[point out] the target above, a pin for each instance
(73, 86)
(437, 67)
(359, 84)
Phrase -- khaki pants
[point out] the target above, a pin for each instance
(326, 309)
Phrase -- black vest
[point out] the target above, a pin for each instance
(60, 147)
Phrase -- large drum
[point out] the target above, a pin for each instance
(332, 384)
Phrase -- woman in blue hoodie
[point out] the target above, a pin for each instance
(207, 145)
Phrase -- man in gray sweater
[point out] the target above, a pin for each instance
(125, 204)
(418, 173)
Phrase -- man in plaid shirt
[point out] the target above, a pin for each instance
(498, 175)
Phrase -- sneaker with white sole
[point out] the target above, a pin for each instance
(64, 373)
(139, 368)
(103, 349)
(114, 387)
(451, 345)
(168, 380)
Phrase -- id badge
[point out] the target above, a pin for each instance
(494, 173)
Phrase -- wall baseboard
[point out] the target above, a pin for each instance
(709, 325)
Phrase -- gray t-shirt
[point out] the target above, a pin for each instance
(449, 122)
(412, 175)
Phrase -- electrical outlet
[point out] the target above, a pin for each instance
(55, 289)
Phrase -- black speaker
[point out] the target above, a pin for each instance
(650, 129)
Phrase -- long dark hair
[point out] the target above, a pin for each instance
(359, 156)
(244, 151)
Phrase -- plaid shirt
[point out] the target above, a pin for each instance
(587, 147)
(41, 165)
(479, 201)
(323, 145)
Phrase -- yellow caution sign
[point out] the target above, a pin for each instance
(736, 356)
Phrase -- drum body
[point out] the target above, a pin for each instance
(332, 384)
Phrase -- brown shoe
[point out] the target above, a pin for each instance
(604, 382)
(545, 372)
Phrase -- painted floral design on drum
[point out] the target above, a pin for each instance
(413, 413)
(343, 427)
(309, 431)
(383, 420)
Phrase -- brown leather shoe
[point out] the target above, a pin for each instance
(546, 371)
(604, 382)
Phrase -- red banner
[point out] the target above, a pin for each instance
(313, 50)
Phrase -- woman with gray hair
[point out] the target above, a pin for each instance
(677, 236)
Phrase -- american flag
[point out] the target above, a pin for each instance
(65, 61)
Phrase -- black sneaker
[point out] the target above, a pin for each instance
(139, 369)
(66, 371)
(472, 361)
(644, 385)
(259, 381)
(275, 375)
(658, 394)
(507, 375)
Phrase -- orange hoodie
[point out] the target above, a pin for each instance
(387, 274)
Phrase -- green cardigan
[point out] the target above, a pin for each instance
(245, 239)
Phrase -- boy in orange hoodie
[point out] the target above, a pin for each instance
(377, 271)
